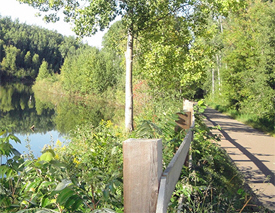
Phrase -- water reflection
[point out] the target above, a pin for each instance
(17, 108)
(51, 115)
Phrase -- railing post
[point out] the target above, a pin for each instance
(142, 168)
(188, 108)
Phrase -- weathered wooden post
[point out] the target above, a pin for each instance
(185, 120)
(188, 107)
(142, 169)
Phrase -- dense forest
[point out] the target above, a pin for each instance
(23, 48)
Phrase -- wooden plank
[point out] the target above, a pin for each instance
(171, 174)
(184, 120)
(142, 168)
(188, 106)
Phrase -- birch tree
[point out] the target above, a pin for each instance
(89, 16)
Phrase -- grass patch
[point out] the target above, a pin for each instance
(262, 124)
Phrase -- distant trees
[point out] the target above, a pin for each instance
(90, 71)
(23, 47)
(44, 71)
(9, 61)
(32, 52)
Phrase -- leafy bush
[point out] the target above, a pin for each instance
(66, 178)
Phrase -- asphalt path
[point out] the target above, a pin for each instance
(252, 151)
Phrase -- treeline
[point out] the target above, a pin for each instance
(23, 48)
(86, 70)
(34, 53)
(241, 75)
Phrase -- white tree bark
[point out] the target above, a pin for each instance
(213, 82)
(128, 84)
(218, 70)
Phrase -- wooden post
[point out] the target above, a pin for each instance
(185, 120)
(142, 168)
(188, 108)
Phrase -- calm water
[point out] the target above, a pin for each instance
(51, 115)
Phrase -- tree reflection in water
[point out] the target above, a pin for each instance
(43, 118)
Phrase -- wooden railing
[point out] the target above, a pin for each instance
(146, 188)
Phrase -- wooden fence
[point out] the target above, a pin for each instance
(148, 189)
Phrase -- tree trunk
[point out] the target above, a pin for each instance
(218, 70)
(213, 82)
(128, 84)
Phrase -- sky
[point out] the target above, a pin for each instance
(26, 14)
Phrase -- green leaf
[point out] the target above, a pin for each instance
(45, 202)
(46, 184)
(106, 194)
(14, 138)
(15, 152)
(64, 195)
(10, 173)
(70, 202)
(31, 186)
(64, 183)
(58, 164)
(76, 204)
(240, 191)
(47, 156)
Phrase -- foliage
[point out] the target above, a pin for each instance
(9, 61)
(99, 169)
(44, 71)
(243, 71)
(86, 174)
(137, 16)
(66, 178)
(89, 71)
(169, 58)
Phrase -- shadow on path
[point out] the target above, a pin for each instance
(266, 171)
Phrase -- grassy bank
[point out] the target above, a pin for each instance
(262, 124)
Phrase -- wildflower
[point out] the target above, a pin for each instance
(76, 161)
(58, 143)
(108, 123)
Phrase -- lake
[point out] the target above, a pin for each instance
(51, 115)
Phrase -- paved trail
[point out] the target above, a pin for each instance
(252, 151)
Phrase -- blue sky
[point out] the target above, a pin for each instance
(26, 14)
